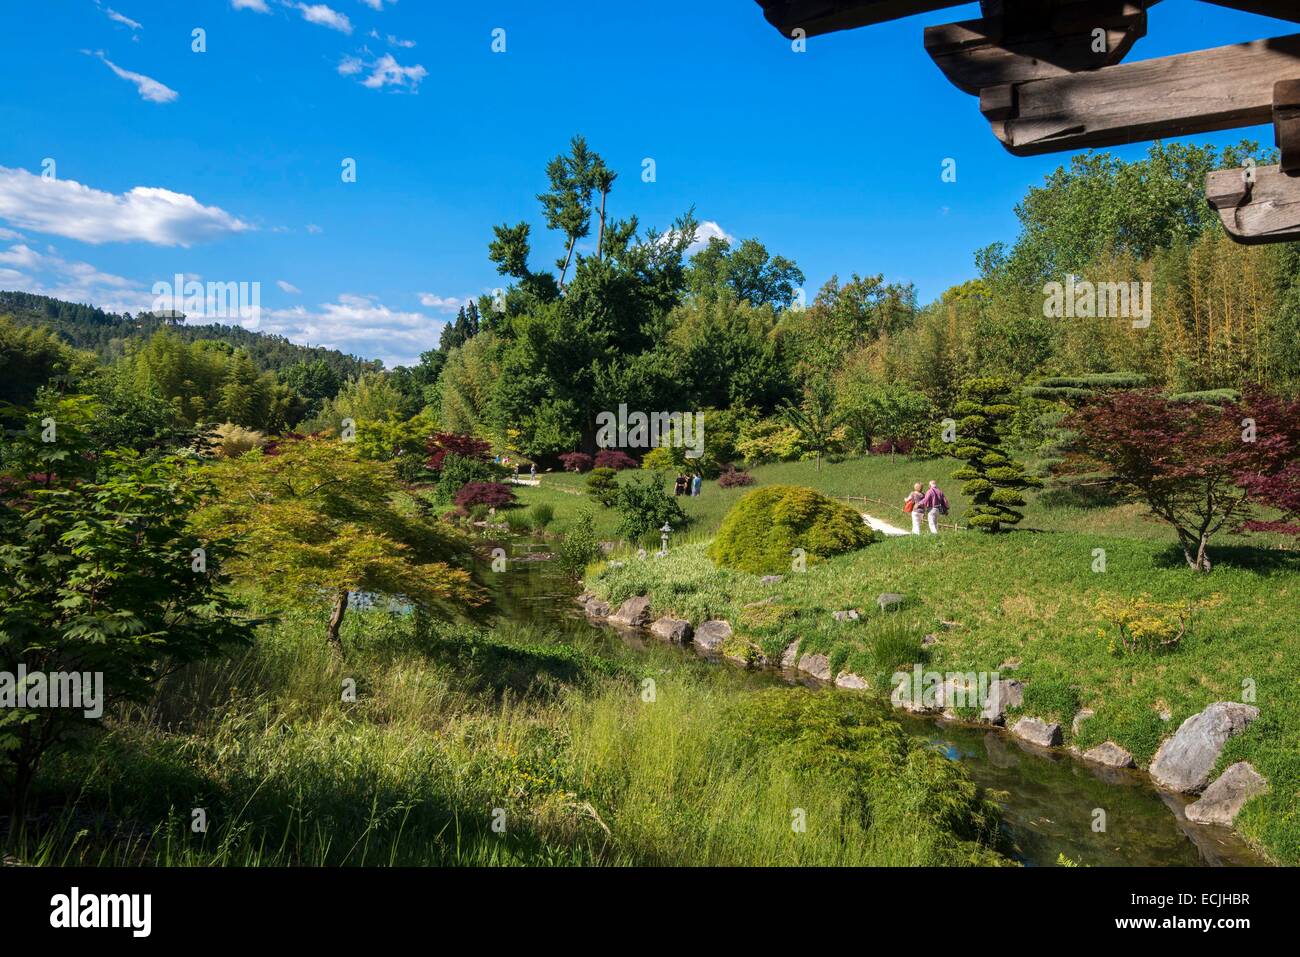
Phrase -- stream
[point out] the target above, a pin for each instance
(1047, 798)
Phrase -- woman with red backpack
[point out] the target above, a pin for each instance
(912, 505)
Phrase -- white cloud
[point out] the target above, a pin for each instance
(149, 88)
(259, 6)
(376, 4)
(314, 229)
(148, 214)
(385, 71)
(358, 324)
(444, 303)
(118, 17)
(287, 287)
(404, 44)
(48, 274)
(20, 255)
(324, 16)
(704, 232)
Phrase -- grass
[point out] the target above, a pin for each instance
(886, 478)
(1024, 604)
(453, 729)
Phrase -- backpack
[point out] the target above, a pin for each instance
(911, 504)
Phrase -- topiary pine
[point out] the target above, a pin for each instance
(994, 481)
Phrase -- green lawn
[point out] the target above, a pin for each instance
(1024, 604)
(885, 478)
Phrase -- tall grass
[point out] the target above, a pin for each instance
(454, 730)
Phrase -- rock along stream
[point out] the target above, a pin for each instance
(1047, 797)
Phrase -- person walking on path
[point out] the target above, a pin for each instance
(532, 471)
(696, 482)
(935, 504)
(912, 505)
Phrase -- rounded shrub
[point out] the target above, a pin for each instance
(733, 479)
(615, 459)
(765, 526)
(491, 494)
(602, 485)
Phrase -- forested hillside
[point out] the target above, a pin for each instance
(106, 334)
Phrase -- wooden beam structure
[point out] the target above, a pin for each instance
(1256, 205)
(816, 17)
(1172, 96)
(1002, 49)
(1286, 123)
(1047, 82)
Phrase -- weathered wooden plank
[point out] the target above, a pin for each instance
(816, 17)
(975, 54)
(1281, 9)
(1191, 93)
(1256, 205)
(1286, 123)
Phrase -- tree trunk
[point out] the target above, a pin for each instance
(568, 256)
(600, 233)
(336, 618)
(1198, 559)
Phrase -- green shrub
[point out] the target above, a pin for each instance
(644, 506)
(579, 547)
(765, 526)
(602, 485)
(892, 647)
(516, 521)
(543, 514)
(458, 471)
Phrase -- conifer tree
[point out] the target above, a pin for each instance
(994, 481)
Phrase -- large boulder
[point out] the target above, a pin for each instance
(1080, 717)
(635, 612)
(672, 629)
(1109, 754)
(711, 634)
(957, 691)
(819, 666)
(790, 657)
(1037, 731)
(1003, 694)
(1223, 799)
(847, 679)
(1185, 760)
(596, 608)
(889, 600)
(914, 698)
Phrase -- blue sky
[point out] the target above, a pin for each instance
(225, 165)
